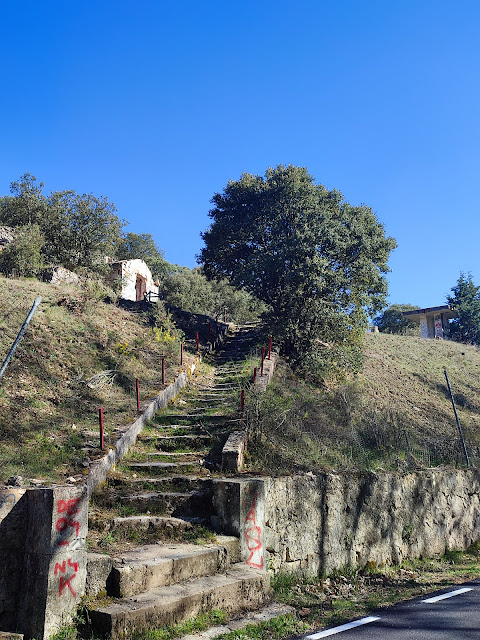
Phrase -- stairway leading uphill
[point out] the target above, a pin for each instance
(162, 494)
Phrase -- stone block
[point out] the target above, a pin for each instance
(239, 505)
(233, 451)
(53, 572)
(99, 568)
(57, 519)
(13, 515)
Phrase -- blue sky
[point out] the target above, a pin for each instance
(157, 105)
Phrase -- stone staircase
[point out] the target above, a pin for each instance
(162, 493)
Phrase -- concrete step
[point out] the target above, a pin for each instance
(176, 503)
(169, 443)
(185, 455)
(238, 588)
(163, 467)
(175, 427)
(153, 566)
(162, 525)
(170, 483)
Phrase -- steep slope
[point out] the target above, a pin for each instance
(78, 354)
(396, 414)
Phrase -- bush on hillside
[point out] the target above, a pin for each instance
(23, 256)
(190, 290)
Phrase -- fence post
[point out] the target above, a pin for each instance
(456, 418)
(100, 424)
(137, 385)
(254, 374)
(197, 337)
(263, 358)
(36, 302)
(242, 400)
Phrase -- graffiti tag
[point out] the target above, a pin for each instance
(69, 508)
(64, 580)
(253, 539)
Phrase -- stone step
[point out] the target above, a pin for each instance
(215, 394)
(193, 419)
(161, 467)
(193, 415)
(176, 503)
(153, 566)
(161, 525)
(170, 483)
(237, 589)
(167, 443)
(213, 401)
(188, 455)
(175, 427)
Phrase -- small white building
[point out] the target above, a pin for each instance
(433, 321)
(136, 277)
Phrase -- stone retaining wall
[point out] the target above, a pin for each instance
(318, 523)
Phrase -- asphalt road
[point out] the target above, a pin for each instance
(429, 617)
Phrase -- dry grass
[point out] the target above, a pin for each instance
(366, 422)
(46, 407)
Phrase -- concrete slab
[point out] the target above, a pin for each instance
(237, 589)
(153, 566)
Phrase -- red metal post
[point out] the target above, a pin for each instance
(254, 374)
(100, 423)
(269, 347)
(242, 400)
(137, 384)
(181, 354)
(163, 370)
(263, 358)
(198, 341)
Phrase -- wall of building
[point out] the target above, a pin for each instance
(318, 523)
(128, 270)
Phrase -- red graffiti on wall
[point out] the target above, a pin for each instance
(253, 539)
(69, 508)
(64, 580)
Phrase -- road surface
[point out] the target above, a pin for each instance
(452, 613)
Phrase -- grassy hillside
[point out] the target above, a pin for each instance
(366, 422)
(49, 397)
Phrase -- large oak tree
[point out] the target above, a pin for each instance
(316, 260)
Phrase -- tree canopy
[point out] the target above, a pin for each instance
(143, 246)
(316, 260)
(466, 301)
(392, 319)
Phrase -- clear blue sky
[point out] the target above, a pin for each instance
(156, 105)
